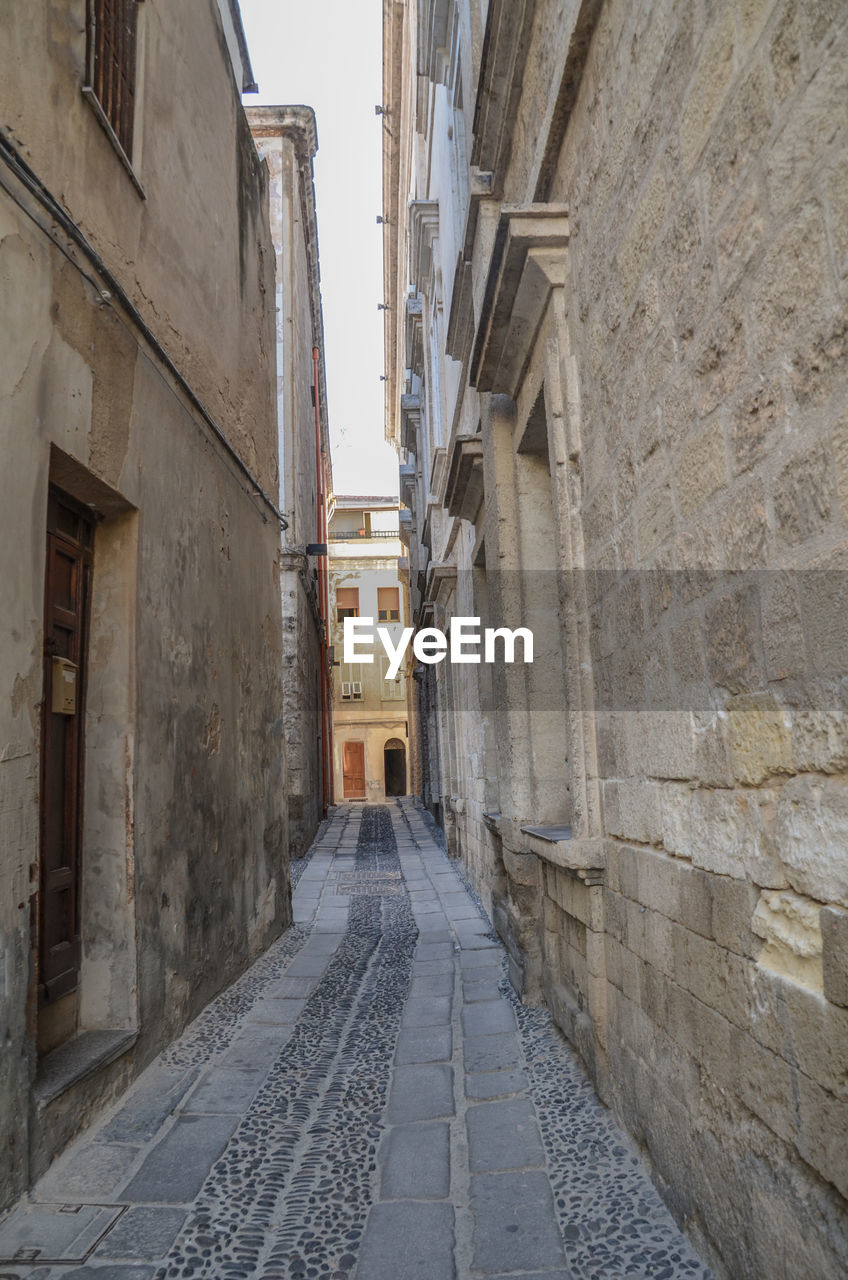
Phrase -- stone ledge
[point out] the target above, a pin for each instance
(556, 845)
(72, 1062)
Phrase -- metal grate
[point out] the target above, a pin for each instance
(370, 883)
(111, 60)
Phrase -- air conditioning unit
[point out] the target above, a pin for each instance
(346, 688)
(356, 686)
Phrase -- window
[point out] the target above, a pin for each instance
(111, 65)
(391, 690)
(388, 604)
(347, 603)
(350, 681)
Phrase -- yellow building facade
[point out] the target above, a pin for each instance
(370, 718)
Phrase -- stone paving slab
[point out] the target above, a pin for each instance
(408, 1240)
(227, 1090)
(424, 1044)
(336, 1115)
(515, 1225)
(178, 1165)
(421, 1093)
(503, 1135)
(143, 1232)
(415, 1162)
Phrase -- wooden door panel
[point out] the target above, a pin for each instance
(69, 541)
(353, 770)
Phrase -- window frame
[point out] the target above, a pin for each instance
(123, 146)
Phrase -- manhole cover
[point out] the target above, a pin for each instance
(46, 1233)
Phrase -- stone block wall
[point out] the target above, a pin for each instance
(707, 308)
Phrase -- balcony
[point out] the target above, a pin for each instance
(353, 535)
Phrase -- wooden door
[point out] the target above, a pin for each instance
(353, 770)
(70, 535)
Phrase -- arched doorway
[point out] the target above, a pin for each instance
(394, 756)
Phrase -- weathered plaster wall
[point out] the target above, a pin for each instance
(194, 251)
(184, 849)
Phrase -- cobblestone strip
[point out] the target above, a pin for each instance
(290, 1194)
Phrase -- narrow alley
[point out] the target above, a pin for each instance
(368, 1100)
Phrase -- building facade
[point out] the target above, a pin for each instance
(287, 140)
(616, 263)
(143, 820)
(370, 719)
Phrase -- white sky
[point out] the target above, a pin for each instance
(327, 53)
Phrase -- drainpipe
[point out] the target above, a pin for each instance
(323, 598)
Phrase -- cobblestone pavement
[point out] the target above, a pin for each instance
(368, 1102)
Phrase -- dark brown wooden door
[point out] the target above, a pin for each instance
(70, 533)
(353, 770)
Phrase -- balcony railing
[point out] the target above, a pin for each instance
(348, 535)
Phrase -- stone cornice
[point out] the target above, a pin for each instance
(464, 488)
(433, 31)
(423, 233)
(528, 261)
(505, 45)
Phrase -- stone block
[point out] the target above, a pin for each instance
(823, 1139)
(427, 1011)
(179, 1164)
(707, 89)
(721, 831)
(754, 422)
(488, 1017)
(716, 977)
(790, 927)
(514, 1223)
(226, 1090)
(632, 810)
(834, 935)
(433, 951)
(760, 738)
(415, 1162)
(812, 836)
(744, 540)
(804, 496)
(421, 1093)
(492, 1053)
(143, 1232)
(148, 1106)
(656, 744)
(824, 606)
(785, 54)
(721, 356)
(406, 1239)
(733, 646)
(802, 1027)
(485, 1085)
(431, 984)
(423, 1044)
(503, 1135)
(766, 1084)
(732, 909)
(794, 300)
(701, 468)
(522, 868)
(654, 519)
